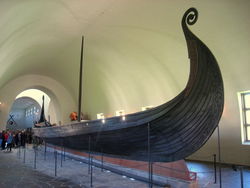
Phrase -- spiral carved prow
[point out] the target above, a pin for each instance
(189, 18)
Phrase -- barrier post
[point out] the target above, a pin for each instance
(35, 158)
(151, 179)
(91, 172)
(219, 155)
(45, 150)
(89, 155)
(102, 162)
(215, 170)
(55, 153)
(61, 152)
(24, 154)
(19, 152)
(149, 160)
(241, 177)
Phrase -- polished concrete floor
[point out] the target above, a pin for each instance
(230, 175)
(27, 170)
(15, 173)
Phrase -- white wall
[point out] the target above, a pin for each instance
(19, 118)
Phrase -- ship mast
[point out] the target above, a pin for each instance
(80, 84)
(42, 115)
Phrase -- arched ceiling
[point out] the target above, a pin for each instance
(134, 51)
(23, 103)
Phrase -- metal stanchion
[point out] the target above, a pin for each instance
(102, 162)
(61, 153)
(151, 178)
(19, 152)
(24, 154)
(219, 156)
(16, 152)
(149, 159)
(64, 155)
(89, 155)
(215, 170)
(35, 150)
(61, 158)
(241, 177)
(91, 171)
(45, 150)
(55, 153)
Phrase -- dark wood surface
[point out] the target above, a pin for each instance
(178, 128)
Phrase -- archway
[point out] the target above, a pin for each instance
(23, 113)
(27, 105)
(62, 102)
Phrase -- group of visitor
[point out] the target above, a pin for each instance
(10, 139)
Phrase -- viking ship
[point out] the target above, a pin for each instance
(169, 132)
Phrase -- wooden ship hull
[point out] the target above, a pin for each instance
(169, 132)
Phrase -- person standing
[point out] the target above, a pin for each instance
(23, 138)
(5, 138)
(1, 138)
(9, 141)
(19, 138)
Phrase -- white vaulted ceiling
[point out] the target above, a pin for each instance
(23, 103)
(134, 52)
(126, 42)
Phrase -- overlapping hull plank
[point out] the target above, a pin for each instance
(178, 128)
